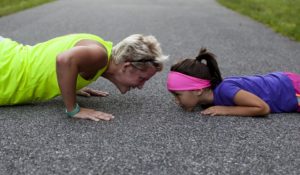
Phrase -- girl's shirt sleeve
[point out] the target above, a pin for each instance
(224, 94)
(276, 89)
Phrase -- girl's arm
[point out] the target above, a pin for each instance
(247, 104)
(86, 60)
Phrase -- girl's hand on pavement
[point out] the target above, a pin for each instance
(92, 114)
(215, 111)
(87, 92)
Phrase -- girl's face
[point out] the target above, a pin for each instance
(187, 99)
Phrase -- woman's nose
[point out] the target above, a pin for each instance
(141, 85)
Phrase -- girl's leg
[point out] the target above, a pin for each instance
(296, 83)
(298, 98)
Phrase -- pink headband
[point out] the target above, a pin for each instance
(180, 82)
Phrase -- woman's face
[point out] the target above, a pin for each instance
(131, 77)
(186, 99)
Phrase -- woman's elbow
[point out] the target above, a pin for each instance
(63, 62)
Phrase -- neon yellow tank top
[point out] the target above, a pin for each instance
(28, 73)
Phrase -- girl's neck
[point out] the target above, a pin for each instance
(207, 97)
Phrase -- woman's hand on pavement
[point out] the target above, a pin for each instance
(87, 92)
(92, 114)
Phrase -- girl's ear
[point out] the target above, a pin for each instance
(198, 92)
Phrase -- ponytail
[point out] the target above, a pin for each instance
(212, 65)
(196, 68)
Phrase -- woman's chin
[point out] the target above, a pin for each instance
(123, 90)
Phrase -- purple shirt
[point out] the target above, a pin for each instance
(276, 89)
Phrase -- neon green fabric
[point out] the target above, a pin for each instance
(28, 73)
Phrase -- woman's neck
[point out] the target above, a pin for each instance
(111, 71)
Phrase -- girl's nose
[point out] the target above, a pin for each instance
(140, 86)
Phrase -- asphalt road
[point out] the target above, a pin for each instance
(150, 134)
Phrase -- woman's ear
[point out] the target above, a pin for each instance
(125, 66)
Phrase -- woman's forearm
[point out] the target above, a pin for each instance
(66, 76)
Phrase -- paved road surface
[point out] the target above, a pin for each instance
(150, 134)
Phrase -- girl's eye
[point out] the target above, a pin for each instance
(176, 95)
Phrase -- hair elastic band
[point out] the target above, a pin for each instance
(1, 38)
(180, 82)
(74, 112)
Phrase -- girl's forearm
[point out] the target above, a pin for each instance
(236, 111)
(246, 111)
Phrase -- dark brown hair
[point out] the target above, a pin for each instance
(196, 68)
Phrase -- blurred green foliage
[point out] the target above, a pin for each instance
(283, 16)
(11, 6)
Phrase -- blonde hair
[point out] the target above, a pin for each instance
(142, 51)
